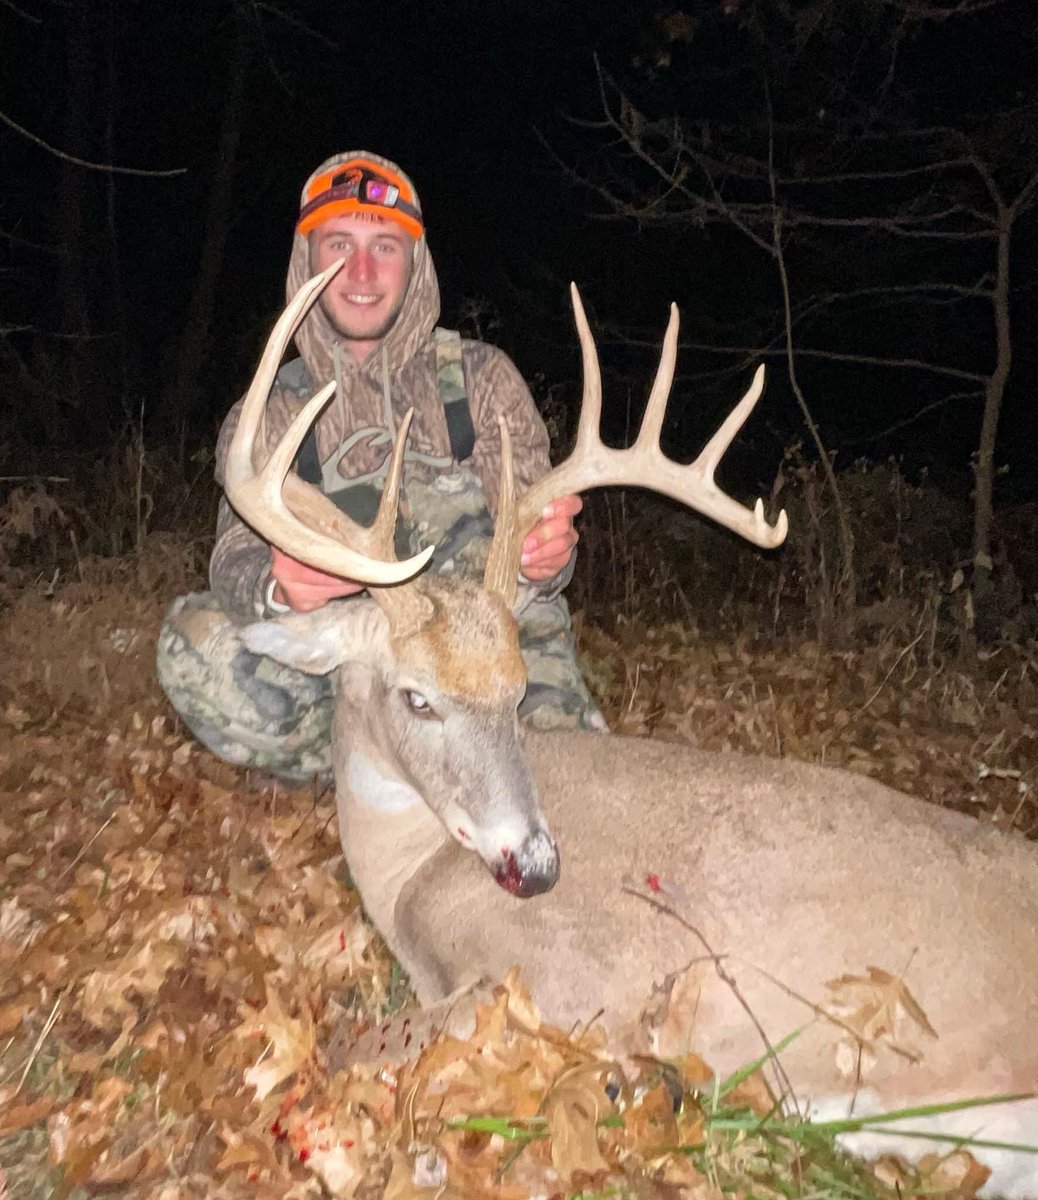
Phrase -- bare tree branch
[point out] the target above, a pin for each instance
(1025, 197)
(297, 23)
(911, 420)
(907, 291)
(107, 168)
(775, 349)
(915, 364)
(715, 203)
(15, 240)
(899, 226)
(916, 10)
(935, 167)
(20, 12)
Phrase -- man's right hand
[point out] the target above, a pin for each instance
(304, 588)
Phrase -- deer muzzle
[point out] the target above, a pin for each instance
(531, 869)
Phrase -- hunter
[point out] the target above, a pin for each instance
(374, 332)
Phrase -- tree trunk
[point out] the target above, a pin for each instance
(182, 401)
(72, 282)
(994, 390)
(115, 315)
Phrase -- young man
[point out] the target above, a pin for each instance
(373, 332)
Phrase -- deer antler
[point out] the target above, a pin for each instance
(292, 514)
(593, 464)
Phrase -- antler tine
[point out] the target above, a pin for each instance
(281, 507)
(405, 607)
(713, 451)
(272, 476)
(239, 455)
(590, 417)
(593, 464)
(589, 455)
(712, 502)
(656, 407)
(383, 529)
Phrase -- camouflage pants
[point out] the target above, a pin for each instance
(250, 710)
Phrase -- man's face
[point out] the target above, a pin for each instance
(364, 298)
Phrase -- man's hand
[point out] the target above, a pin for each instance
(548, 547)
(304, 588)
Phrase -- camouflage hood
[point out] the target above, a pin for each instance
(415, 322)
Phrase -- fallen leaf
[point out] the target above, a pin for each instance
(573, 1109)
(20, 1116)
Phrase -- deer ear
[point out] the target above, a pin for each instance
(312, 642)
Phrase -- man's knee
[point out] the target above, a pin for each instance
(246, 708)
(557, 696)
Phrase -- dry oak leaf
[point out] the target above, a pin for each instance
(143, 968)
(246, 1150)
(957, 1173)
(14, 1117)
(334, 1144)
(651, 1125)
(13, 1012)
(290, 1043)
(876, 1010)
(81, 1132)
(753, 1093)
(402, 1184)
(573, 1108)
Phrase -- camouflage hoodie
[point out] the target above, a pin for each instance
(370, 400)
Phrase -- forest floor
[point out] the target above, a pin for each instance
(177, 940)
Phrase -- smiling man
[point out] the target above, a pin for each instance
(374, 332)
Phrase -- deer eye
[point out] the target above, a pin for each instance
(418, 704)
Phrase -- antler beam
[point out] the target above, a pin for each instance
(290, 513)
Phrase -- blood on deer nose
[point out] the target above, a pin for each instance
(530, 870)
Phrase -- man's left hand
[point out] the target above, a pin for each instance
(548, 547)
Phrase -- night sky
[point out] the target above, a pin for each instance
(480, 103)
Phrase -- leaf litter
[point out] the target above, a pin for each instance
(178, 948)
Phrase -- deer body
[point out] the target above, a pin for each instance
(787, 875)
(902, 938)
(793, 874)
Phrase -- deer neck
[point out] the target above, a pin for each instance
(388, 831)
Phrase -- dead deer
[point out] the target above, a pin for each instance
(899, 938)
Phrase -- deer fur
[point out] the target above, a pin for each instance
(786, 875)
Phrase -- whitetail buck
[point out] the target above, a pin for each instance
(903, 938)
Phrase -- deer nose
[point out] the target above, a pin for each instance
(532, 869)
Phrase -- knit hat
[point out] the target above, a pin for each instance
(360, 185)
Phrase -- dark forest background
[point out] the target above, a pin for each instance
(844, 189)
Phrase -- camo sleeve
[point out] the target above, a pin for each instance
(239, 567)
(497, 389)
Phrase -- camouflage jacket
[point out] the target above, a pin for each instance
(355, 431)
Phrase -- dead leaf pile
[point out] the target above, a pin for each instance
(966, 741)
